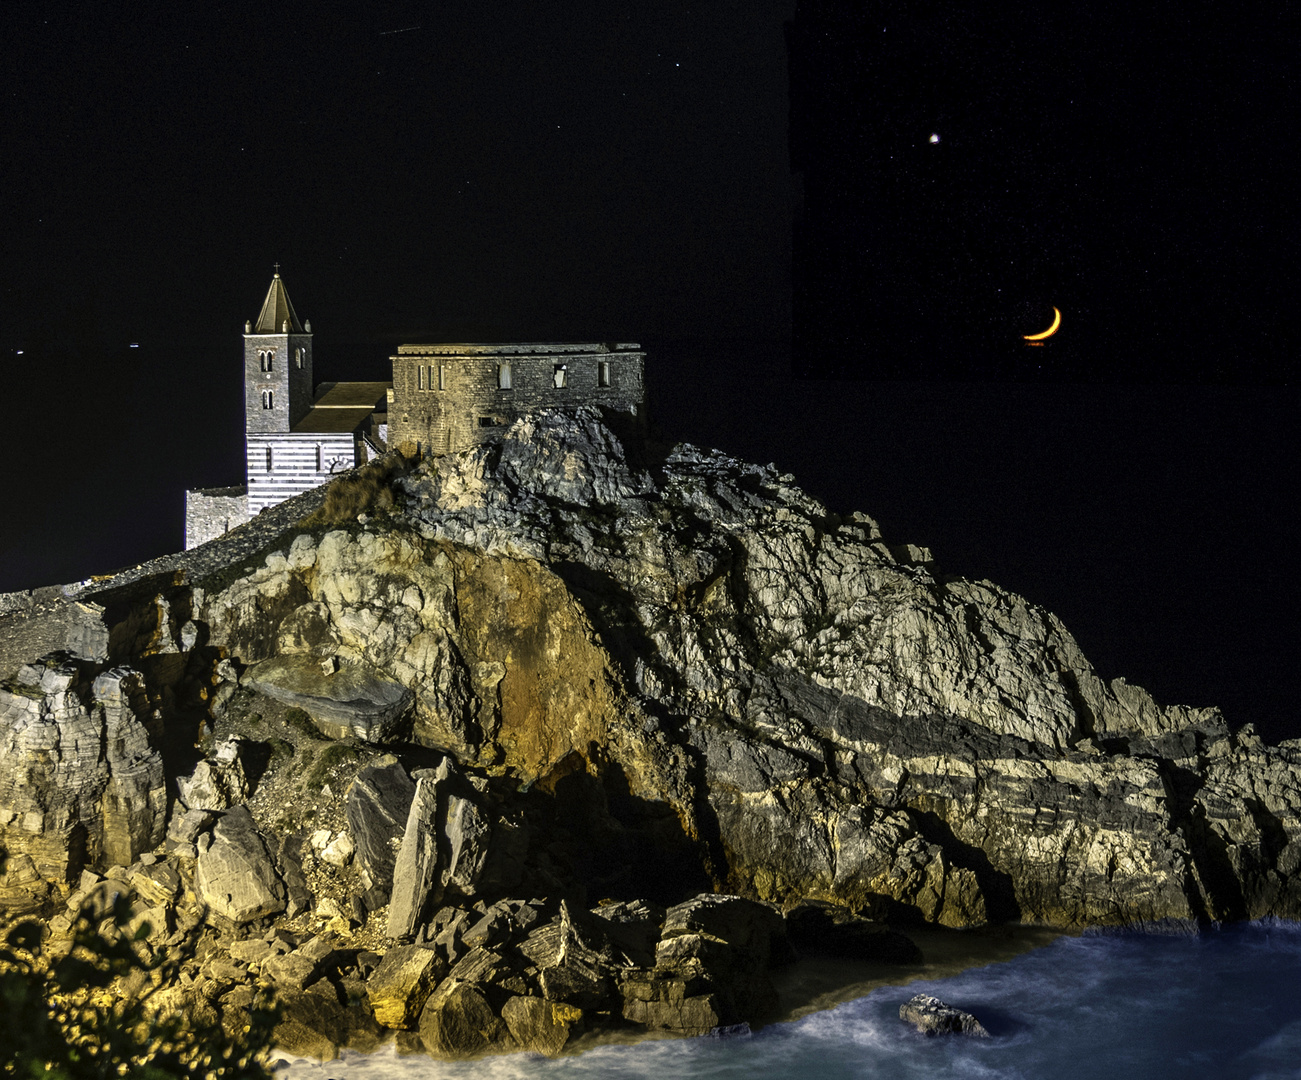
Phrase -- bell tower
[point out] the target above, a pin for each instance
(277, 365)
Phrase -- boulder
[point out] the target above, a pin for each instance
(539, 1025)
(217, 782)
(356, 700)
(398, 988)
(575, 962)
(235, 876)
(415, 872)
(317, 1024)
(468, 830)
(458, 1022)
(663, 1001)
(931, 1016)
(377, 807)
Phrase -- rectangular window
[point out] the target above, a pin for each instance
(603, 373)
(320, 459)
(268, 459)
(503, 376)
(442, 376)
(561, 376)
(420, 377)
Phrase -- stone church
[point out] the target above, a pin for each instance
(443, 399)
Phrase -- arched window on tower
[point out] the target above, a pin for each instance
(300, 358)
(268, 399)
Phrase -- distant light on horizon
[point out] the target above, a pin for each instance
(135, 345)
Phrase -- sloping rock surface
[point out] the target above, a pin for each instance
(667, 683)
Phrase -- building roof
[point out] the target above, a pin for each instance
(351, 395)
(276, 311)
(333, 421)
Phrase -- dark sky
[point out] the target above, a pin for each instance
(456, 170)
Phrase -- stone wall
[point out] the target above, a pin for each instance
(283, 465)
(289, 380)
(213, 512)
(448, 398)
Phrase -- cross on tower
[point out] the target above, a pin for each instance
(277, 269)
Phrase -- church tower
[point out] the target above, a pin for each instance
(277, 365)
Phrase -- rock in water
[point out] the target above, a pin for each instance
(539, 1025)
(931, 1016)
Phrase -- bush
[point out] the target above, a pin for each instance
(368, 488)
(60, 1017)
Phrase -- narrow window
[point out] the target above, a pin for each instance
(268, 399)
(268, 459)
(442, 376)
(561, 377)
(603, 373)
(300, 359)
(262, 361)
(420, 377)
(320, 459)
(271, 355)
(503, 376)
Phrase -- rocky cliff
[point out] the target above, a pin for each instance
(591, 676)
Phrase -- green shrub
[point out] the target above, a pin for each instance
(301, 722)
(60, 1019)
(327, 761)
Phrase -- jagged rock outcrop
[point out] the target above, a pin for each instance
(80, 783)
(562, 669)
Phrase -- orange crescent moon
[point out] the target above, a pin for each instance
(1057, 321)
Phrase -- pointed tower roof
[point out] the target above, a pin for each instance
(276, 310)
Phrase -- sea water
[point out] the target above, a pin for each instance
(1225, 1004)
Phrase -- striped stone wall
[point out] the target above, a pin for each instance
(281, 465)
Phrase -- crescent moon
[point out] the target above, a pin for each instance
(1057, 321)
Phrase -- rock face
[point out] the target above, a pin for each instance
(80, 783)
(931, 1016)
(668, 681)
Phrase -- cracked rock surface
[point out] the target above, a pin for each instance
(522, 717)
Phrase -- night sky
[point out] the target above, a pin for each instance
(831, 225)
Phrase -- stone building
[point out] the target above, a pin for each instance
(452, 397)
(443, 399)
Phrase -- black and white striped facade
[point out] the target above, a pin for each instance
(284, 464)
